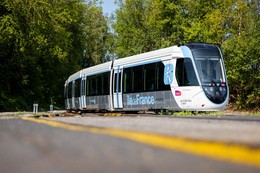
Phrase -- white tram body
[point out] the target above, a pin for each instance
(189, 77)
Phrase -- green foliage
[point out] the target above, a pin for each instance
(242, 54)
(145, 25)
(132, 28)
(43, 42)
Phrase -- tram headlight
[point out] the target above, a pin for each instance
(216, 94)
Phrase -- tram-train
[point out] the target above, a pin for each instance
(190, 77)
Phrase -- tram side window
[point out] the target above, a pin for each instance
(91, 86)
(65, 91)
(128, 80)
(83, 87)
(105, 83)
(77, 86)
(185, 73)
(138, 79)
(88, 86)
(160, 78)
(70, 90)
(117, 81)
(98, 84)
(149, 77)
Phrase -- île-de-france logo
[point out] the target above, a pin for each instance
(168, 74)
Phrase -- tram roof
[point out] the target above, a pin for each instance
(161, 54)
(157, 55)
(104, 67)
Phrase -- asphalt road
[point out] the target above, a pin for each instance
(28, 146)
(232, 129)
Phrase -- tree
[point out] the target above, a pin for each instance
(43, 42)
(242, 52)
(95, 29)
(146, 25)
(131, 27)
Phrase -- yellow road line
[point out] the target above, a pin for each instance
(113, 114)
(215, 150)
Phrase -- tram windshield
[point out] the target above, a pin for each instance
(209, 65)
(211, 71)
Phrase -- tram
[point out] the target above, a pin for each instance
(190, 77)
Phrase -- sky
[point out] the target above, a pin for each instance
(108, 6)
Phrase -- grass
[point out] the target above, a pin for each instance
(195, 113)
(208, 113)
(20, 114)
(12, 114)
(216, 113)
(256, 113)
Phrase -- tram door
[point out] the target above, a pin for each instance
(117, 89)
(83, 93)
